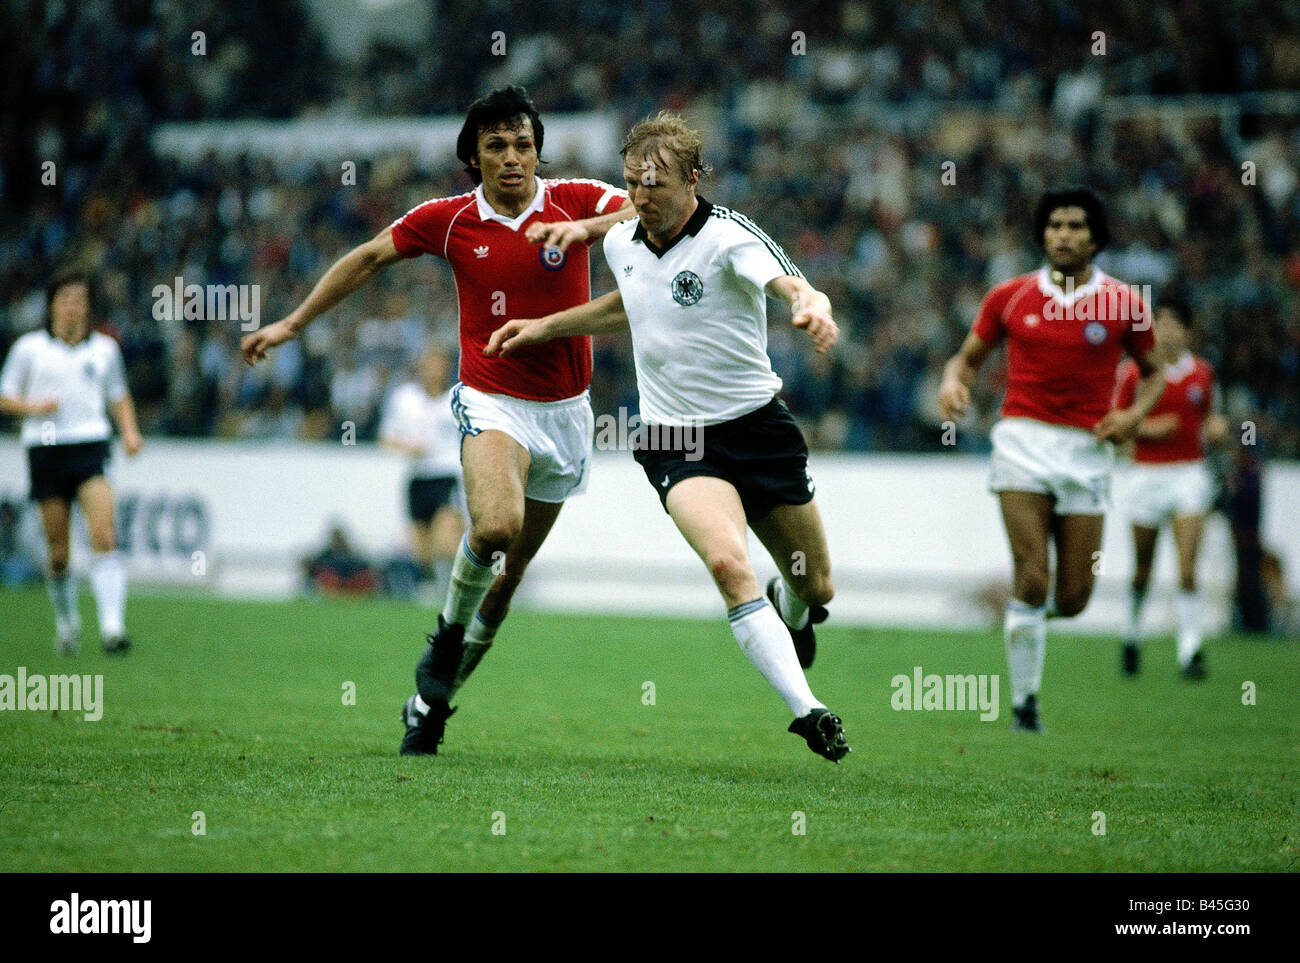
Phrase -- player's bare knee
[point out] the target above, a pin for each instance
(1187, 581)
(495, 532)
(730, 572)
(101, 540)
(1031, 588)
(58, 562)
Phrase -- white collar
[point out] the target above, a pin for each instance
(487, 212)
(1075, 293)
(1176, 371)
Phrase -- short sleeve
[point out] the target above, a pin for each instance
(990, 324)
(423, 229)
(754, 256)
(17, 368)
(115, 376)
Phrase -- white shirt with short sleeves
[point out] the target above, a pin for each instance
(85, 378)
(413, 417)
(698, 315)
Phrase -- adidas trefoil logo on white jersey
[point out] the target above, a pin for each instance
(627, 270)
(481, 251)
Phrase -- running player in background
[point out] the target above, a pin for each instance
(1066, 326)
(693, 282)
(63, 382)
(418, 422)
(516, 244)
(1171, 482)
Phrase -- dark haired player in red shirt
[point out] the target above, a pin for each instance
(517, 246)
(1066, 326)
(1171, 482)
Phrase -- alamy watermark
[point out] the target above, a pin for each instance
(624, 432)
(208, 302)
(951, 693)
(1112, 302)
(64, 693)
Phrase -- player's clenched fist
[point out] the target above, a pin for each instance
(557, 234)
(514, 334)
(1119, 425)
(954, 399)
(255, 345)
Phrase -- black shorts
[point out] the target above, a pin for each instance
(58, 471)
(762, 454)
(425, 496)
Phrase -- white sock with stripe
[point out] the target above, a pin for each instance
(63, 596)
(108, 583)
(471, 577)
(1025, 634)
(794, 610)
(765, 640)
(1188, 607)
(478, 639)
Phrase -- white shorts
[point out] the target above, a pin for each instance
(1066, 463)
(556, 434)
(1158, 493)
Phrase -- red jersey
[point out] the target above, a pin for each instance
(500, 276)
(1189, 394)
(1062, 351)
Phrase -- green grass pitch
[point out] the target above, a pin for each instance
(555, 763)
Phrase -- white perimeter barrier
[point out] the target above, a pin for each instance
(913, 539)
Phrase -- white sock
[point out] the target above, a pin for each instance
(1188, 607)
(1025, 634)
(478, 639)
(794, 610)
(63, 595)
(471, 578)
(1137, 600)
(108, 583)
(765, 640)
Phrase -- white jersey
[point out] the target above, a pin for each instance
(698, 315)
(84, 378)
(413, 417)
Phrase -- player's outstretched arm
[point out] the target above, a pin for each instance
(1122, 424)
(604, 315)
(560, 234)
(348, 273)
(958, 373)
(811, 310)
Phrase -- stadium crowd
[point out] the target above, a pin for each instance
(896, 155)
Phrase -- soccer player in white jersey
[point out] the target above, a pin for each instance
(63, 382)
(693, 279)
(1171, 482)
(519, 242)
(1066, 326)
(418, 422)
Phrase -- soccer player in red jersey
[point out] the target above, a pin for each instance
(1171, 481)
(516, 244)
(1066, 326)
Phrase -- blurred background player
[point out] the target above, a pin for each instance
(515, 244)
(1171, 481)
(64, 381)
(1066, 326)
(418, 422)
(693, 281)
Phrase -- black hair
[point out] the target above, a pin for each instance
(61, 278)
(1179, 307)
(499, 107)
(1093, 209)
